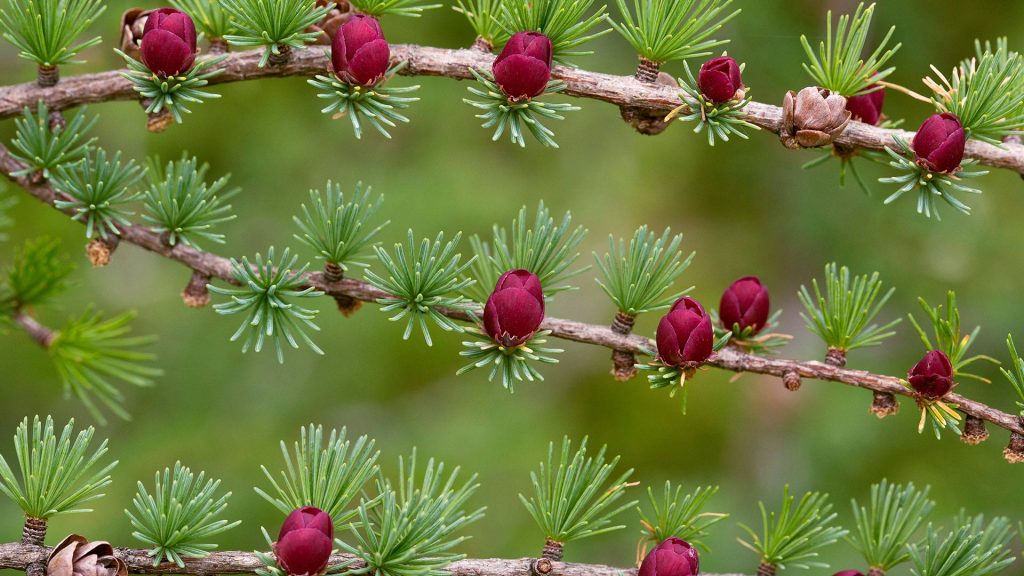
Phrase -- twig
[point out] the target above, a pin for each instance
(429, 61)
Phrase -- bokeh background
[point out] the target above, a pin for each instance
(746, 207)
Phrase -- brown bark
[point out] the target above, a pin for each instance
(884, 404)
(43, 336)
(34, 531)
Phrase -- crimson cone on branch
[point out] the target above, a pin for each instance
(719, 79)
(745, 302)
(523, 68)
(673, 557)
(304, 544)
(867, 108)
(168, 42)
(685, 335)
(359, 52)
(515, 309)
(939, 143)
(932, 376)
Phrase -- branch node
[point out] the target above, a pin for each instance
(541, 567)
(1014, 452)
(196, 294)
(158, 121)
(553, 551)
(974, 431)
(766, 569)
(482, 44)
(219, 46)
(648, 71)
(648, 121)
(34, 531)
(791, 380)
(99, 250)
(835, 357)
(48, 76)
(282, 57)
(623, 361)
(884, 404)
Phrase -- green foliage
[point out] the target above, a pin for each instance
(986, 92)
(514, 364)
(720, 120)
(422, 281)
(91, 354)
(839, 64)
(337, 230)
(57, 475)
(667, 30)
(971, 549)
(98, 190)
(948, 336)
(38, 272)
(637, 277)
(44, 147)
(929, 186)
(1016, 377)
(265, 293)
(181, 514)
(679, 514)
(45, 30)
(792, 536)
(376, 105)
(888, 523)
(507, 115)
(5, 219)
(568, 23)
(173, 93)
(842, 315)
(483, 16)
(547, 248)
(276, 25)
(380, 8)
(411, 530)
(326, 473)
(181, 205)
(573, 496)
(209, 15)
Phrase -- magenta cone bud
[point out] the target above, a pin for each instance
(867, 108)
(168, 42)
(685, 334)
(673, 557)
(523, 68)
(304, 544)
(515, 309)
(932, 377)
(745, 302)
(719, 79)
(939, 143)
(359, 52)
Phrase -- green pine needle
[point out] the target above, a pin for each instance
(839, 64)
(514, 364)
(326, 473)
(45, 30)
(948, 336)
(638, 277)
(842, 314)
(568, 23)
(92, 354)
(930, 187)
(679, 515)
(971, 549)
(337, 230)
(180, 516)
(6, 203)
(574, 496)
(98, 190)
(380, 8)
(888, 523)
(267, 288)
(422, 282)
(547, 248)
(667, 30)
(483, 17)
(38, 273)
(986, 92)
(508, 116)
(376, 105)
(209, 15)
(43, 146)
(1016, 377)
(411, 530)
(182, 206)
(792, 537)
(172, 93)
(275, 25)
(56, 475)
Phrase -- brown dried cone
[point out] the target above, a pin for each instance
(347, 305)
(884, 404)
(645, 120)
(1014, 452)
(766, 569)
(974, 431)
(553, 550)
(99, 250)
(623, 362)
(76, 556)
(34, 531)
(48, 76)
(792, 381)
(196, 294)
(133, 22)
(835, 357)
(812, 117)
(329, 24)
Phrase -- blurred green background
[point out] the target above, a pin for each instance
(746, 207)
